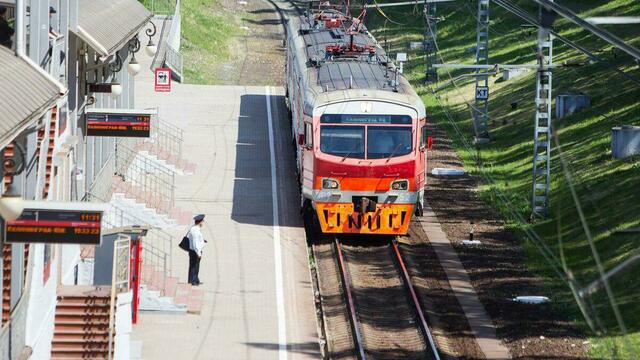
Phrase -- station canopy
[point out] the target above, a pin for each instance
(26, 93)
(107, 25)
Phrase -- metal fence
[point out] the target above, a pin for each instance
(144, 179)
(173, 58)
(157, 245)
(154, 184)
(166, 138)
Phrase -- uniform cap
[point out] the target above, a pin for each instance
(52, 10)
(198, 217)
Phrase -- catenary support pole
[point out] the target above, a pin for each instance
(430, 38)
(542, 121)
(481, 108)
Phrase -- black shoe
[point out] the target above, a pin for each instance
(199, 283)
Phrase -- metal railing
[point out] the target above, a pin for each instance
(102, 185)
(166, 137)
(157, 245)
(173, 58)
(146, 179)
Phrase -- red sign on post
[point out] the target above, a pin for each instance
(162, 80)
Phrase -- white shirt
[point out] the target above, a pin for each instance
(196, 241)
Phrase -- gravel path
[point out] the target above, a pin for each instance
(497, 268)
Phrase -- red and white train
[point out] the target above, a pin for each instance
(358, 124)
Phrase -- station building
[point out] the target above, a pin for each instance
(68, 58)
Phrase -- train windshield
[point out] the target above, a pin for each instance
(345, 141)
(384, 141)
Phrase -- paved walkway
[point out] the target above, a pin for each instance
(254, 264)
(479, 320)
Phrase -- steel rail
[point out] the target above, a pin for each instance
(346, 284)
(416, 303)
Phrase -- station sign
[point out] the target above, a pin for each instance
(162, 82)
(482, 93)
(57, 223)
(118, 122)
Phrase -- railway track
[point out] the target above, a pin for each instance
(379, 315)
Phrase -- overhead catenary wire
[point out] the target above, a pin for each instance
(519, 12)
(594, 250)
(564, 275)
(535, 238)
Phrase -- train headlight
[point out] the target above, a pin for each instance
(330, 184)
(400, 185)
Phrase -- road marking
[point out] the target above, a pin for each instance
(282, 330)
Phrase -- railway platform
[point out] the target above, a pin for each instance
(258, 301)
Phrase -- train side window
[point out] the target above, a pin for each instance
(423, 137)
(308, 134)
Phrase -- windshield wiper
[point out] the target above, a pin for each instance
(394, 152)
(349, 153)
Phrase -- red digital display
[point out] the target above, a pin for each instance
(55, 227)
(118, 125)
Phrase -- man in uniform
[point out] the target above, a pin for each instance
(196, 244)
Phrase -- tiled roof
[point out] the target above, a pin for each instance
(26, 92)
(106, 25)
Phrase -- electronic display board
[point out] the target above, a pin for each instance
(117, 123)
(370, 119)
(52, 226)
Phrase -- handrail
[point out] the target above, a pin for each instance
(158, 248)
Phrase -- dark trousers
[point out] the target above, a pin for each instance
(194, 267)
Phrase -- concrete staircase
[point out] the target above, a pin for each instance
(82, 323)
(171, 161)
(151, 201)
(182, 294)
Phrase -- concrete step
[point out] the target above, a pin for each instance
(195, 301)
(172, 286)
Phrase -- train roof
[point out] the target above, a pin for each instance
(345, 56)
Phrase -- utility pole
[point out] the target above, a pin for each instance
(481, 107)
(430, 34)
(543, 124)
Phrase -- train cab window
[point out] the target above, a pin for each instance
(345, 141)
(384, 141)
(423, 137)
(308, 134)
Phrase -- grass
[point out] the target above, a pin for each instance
(607, 189)
(207, 32)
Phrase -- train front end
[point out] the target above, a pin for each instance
(369, 164)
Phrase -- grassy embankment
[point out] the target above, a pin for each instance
(207, 30)
(608, 189)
